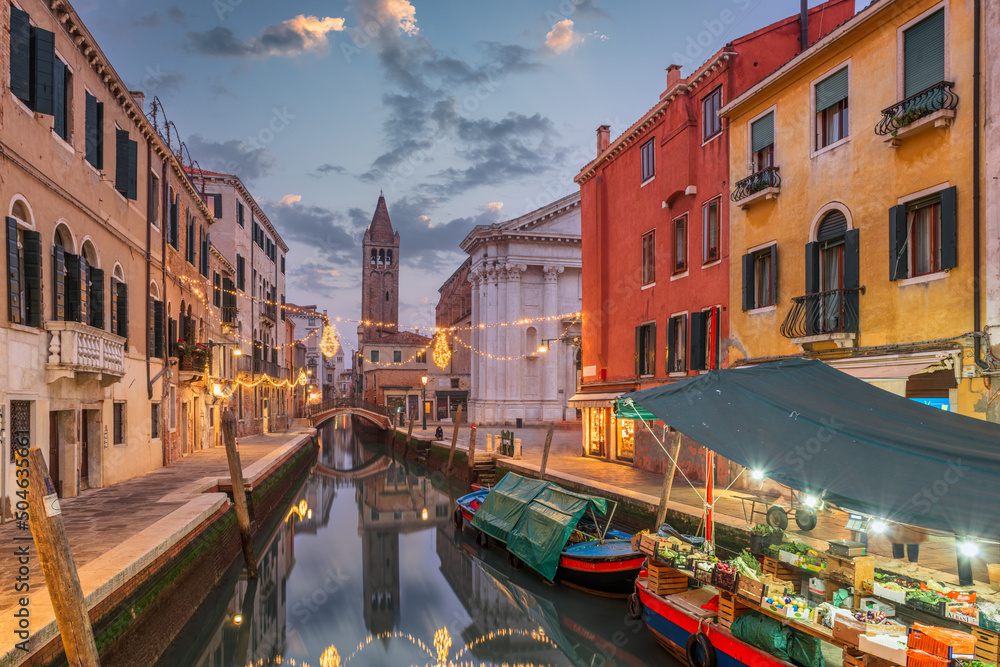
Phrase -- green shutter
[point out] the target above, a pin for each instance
(123, 312)
(749, 291)
(774, 273)
(121, 162)
(20, 54)
(638, 349)
(13, 273)
(90, 128)
(698, 336)
(59, 98)
(133, 170)
(58, 283)
(43, 56)
(923, 54)
(671, 344)
(812, 267)
(949, 228)
(762, 132)
(114, 306)
(100, 136)
(158, 329)
(32, 278)
(77, 287)
(898, 265)
(96, 298)
(831, 90)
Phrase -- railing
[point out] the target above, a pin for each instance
(332, 404)
(754, 183)
(936, 98)
(264, 367)
(84, 348)
(192, 363)
(229, 315)
(269, 310)
(244, 364)
(835, 311)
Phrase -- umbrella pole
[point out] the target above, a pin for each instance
(709, 496)
(668, 483)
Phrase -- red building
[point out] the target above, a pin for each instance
(655, 209)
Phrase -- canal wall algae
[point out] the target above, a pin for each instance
(140, 592)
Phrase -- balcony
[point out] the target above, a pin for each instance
(764, 184)
(264, 367)
(75, 349)
(932, 107)
(269, 311)
(823, 317)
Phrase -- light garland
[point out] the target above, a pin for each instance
(329, 345)
(389, 364)
(283, 384)
(442, 353)
(527, 355)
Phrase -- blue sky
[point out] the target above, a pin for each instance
(463, 112)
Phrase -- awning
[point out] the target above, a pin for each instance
(593, 400)
(817, 430)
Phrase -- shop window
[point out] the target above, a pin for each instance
(594, 429)
(626, 439)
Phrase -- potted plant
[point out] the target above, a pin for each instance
(194, 356)
(908, 117)
(762, 536)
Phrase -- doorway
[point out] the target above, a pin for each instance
(267, 415)
(85, 452)
(54, 452)
(184, 428)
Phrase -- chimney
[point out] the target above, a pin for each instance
(804, 25)
(139, 98)
(603, 138)
(673, 76)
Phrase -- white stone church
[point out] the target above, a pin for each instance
(525, 269)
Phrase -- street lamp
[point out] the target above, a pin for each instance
(424, 406)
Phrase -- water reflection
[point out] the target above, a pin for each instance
(364, 561)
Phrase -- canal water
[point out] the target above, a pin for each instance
(365, 564)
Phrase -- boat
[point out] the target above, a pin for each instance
(555, 532)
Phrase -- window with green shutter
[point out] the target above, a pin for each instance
(20, 54)
(43, 57)
(94, 131)
(95, 299)
(923, 54)
(13, 273)
(831, 109)
(762, 141)
(58, 283)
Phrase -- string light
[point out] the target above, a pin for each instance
(390, 364)
(329, 345)
(528, 355)
(442, 353)
(283, 384)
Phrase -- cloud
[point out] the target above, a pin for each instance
(562, 37)
(147, 21)
(158, 82)
(294, 37)
(495, 206)
(589, 9)
(327, 169)
(176, 14)
(428, 246)
(232, 157)
(288, 200)
(320, 229)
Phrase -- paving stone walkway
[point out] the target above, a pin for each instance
(98, 520)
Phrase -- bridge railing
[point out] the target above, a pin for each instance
(332, 404)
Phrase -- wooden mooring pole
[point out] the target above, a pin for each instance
(668, 483)
(409, 432)
(454, 437)
(545, 451)
(239, 491)
(472, 447)
(45, 520)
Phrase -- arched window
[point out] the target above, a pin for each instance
(154, 291)
(832, 273)
(89, 252)
(374, 257)
(381, 257)
(64, 238)
(388, 258)
(386, 296)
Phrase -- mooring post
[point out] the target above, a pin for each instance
(472, 447)
(239, 491)
(454, 437)
(409, 432)
(45, 520)
(545, 451)
(668, 483)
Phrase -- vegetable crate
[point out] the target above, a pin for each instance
(701, 574)
(783, 571)
(987, 643)
(648, 544)
(725, 581)
(665, 580)
(730, 608)
(939, 606)
(988, 624)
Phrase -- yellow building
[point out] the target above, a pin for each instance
(852, 177)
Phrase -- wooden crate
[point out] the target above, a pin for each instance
(987, 645)
(854, 658)
(730, 608)
(665, 580)
(783, 571)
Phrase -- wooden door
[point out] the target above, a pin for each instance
(54, 452)
(85, 450)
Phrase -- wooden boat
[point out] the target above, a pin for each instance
(595, 558)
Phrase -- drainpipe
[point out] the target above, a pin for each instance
(168, 377)
(976, 151)
(149, 255)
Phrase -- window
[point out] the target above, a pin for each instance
(705, 339)
(240, 273)
(421, 357)
(154, 420)
(762, 142)
(645, 349)
(923, 54)
(831, 109)
(240, 214)
(126, 165)
(374, 356)
(677, 344)
(175, 211)
(154, 193)
(119, 420)
(454, 383)
(24, 271)
(312, 321)
(282, 265)
(216, 206)
(648, 166)
(649, 258)
(216, 289)
(923, 235)
(711, 123)
(397, 356)
(62, 98)
(680, 244)
(32, 63)
(710, 231)
(94, 131)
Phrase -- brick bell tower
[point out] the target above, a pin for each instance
(380, 274)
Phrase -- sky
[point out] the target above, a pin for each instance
(463, 112)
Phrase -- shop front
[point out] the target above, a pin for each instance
(604, 436)
(447, 404)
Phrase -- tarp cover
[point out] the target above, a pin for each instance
(534, 519)
(819, 430)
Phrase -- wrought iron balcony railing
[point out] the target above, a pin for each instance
(902, 114)
(269, 310)
(754, 183)
(263, 367)
(835, 311)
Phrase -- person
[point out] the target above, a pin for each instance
(439, 433)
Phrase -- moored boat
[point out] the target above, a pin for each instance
(544, 526)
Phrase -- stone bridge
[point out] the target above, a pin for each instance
(376, 414)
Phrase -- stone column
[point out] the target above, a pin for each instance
(502, 335)
(491, 343)
(473, 343)
(481, 342)
(551, 329)
(515, 343)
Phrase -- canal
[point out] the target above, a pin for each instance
(365, 563)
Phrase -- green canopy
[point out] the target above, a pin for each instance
(534, 519)
(627, 409)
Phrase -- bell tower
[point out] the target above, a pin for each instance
(380, 275)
